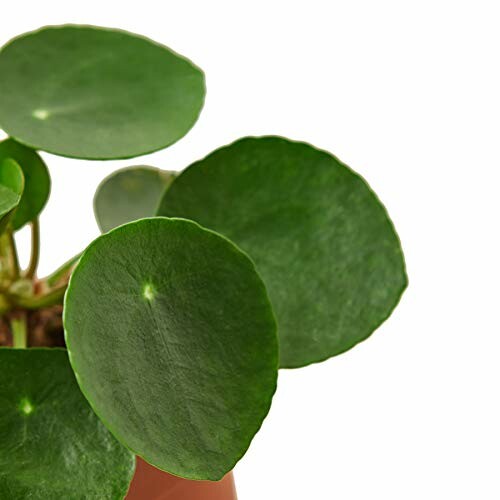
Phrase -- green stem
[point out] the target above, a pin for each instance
(19, 329)
(16, 270)
(4, 259)
(51, 298)
(63, 272)
(35, 249)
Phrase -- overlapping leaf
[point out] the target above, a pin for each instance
(11, 190)
(322, 241)
(129, 194)
(173, 340)
(36, 177)
(53, 446)
(96, 93)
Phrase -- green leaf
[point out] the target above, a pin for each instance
(320, 238)
(37, 181)
(128, 195)
(53, 446)
(11, 190)
(173, 340)
(96, 93)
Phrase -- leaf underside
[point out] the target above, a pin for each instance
(129, 194)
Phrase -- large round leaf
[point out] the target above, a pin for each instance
(96, 93)
(129, 194)
(320, 238)
(37, 181)
(173, 339)
(53, 446)
(11, 190)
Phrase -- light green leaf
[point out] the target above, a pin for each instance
(11, 190)
(53, 446)
(96, 93)
(128, 195)
(37, 181)
(173, 340)
(319, 236)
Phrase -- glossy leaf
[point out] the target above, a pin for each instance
(173, 339)
(96, 93)
(53, 445)
(11, 190)
(37, 181)
(320, 238)
(129, 194)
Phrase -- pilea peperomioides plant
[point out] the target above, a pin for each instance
(268, 253)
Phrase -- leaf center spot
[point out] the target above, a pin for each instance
(26, 406)
(41, 114)
(148, 292)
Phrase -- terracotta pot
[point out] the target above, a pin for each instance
(150, 483)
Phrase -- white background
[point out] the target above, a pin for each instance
(406, 93)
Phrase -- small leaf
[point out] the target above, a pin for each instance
(96, 93)
(62, 273)
(37, 181)
(128, 195)
(173, 340)
(320, 238)
(53, 445)
(11, 190)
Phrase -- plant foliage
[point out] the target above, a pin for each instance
(266, 253)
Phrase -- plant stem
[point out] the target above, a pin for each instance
(4, 304)
(4, 261)
(51, 298)
(15, 269)
(35, 249)
(63, 272)
(19, 329)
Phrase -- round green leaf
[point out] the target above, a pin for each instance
(173, 339)
(53, 445)
(11, 190)
(320, 238)
(37, 181)
(96, 93)
(129, 194)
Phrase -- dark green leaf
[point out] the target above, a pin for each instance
(173, 340)
(53, 446)
(37, 181)
(96, 93)
(129, 194)
(11, 190)
(320, 238)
